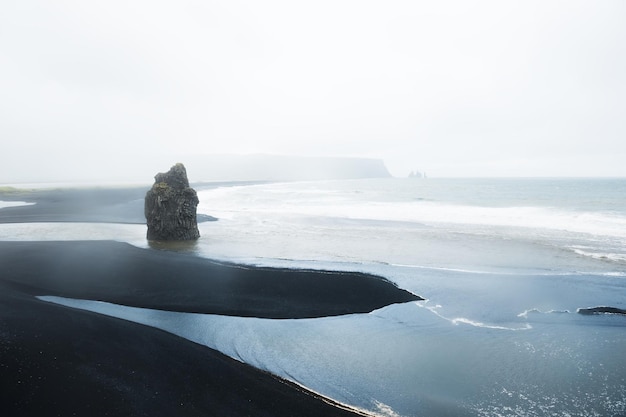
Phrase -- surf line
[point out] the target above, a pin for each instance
(462, 320)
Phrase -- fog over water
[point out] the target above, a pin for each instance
(114, 91)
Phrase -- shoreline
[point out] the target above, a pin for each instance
(63, 360)
(121, 273)
(59, 360)
(92, 204)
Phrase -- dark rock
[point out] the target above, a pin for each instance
(170, 207)
(206, 218)
(601, 310)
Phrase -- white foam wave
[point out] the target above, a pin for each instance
(320, 210)
(485, 271)
(384, 410)
(292, 200)
(607, 256)
(500, 272)
(613, 274)
(526, 313)
(463, 320)
(5, 204)
(436, 268)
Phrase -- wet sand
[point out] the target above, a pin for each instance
(60, 361)
(123, 274)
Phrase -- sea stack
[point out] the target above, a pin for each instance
(170, 207)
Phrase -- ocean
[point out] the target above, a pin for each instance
(503, 265)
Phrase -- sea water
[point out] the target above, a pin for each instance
(503, 265)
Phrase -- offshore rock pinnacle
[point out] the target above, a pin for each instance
(170, 207)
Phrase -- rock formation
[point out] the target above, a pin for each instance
(170, 207)
(601, 310)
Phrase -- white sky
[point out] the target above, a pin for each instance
(104, 89)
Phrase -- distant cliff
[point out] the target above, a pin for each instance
(283, 168)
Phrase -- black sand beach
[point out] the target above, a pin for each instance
(59, 361)
(86, 204)
(56, 360)
(123, 274)
(117, 205)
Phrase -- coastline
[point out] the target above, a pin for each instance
(97, 204)
(55, 359)
(120, 273)
(88, 204)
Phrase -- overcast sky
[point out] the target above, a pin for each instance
(455, 88)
